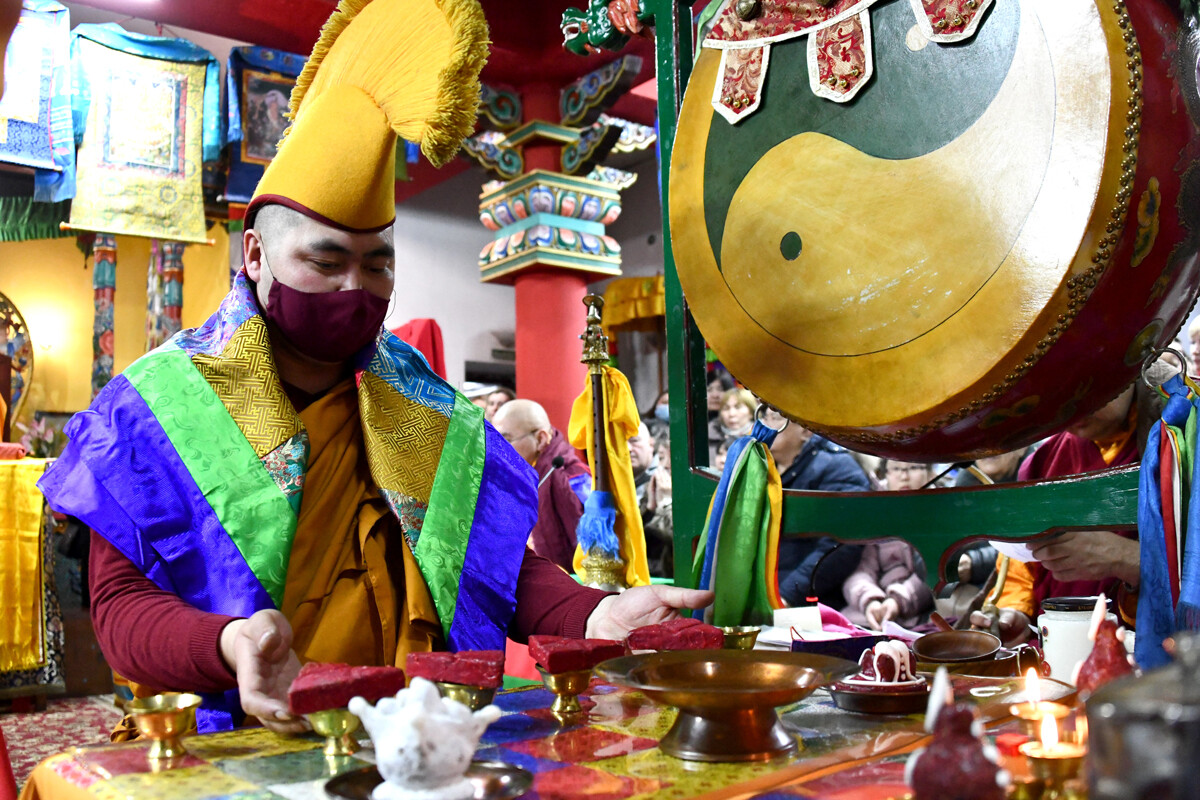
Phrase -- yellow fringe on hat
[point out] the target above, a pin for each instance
(386, 48)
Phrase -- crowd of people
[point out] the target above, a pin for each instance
(871, 583)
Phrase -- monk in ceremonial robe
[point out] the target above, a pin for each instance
(290, 482)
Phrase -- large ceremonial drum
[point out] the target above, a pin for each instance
(937, 229)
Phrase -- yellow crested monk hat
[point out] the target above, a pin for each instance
(381, 69)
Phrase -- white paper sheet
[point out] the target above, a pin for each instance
(1015, 550)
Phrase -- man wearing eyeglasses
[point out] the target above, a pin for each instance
(563, 479)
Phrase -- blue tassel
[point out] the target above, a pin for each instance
(596, 530)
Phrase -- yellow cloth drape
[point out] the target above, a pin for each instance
(21, 595)
(633, 303)
(622, 424)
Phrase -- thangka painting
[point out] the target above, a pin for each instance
(264, 106)
(35, 112)
(143, 145)
(259, 84)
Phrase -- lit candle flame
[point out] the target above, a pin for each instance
(1033, 689)
(1049, 732)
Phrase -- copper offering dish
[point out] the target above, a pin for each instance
(726, 698)
(337, 726)
(881, 699)
(491, 780)
(956, 647)
(741, 637)
(473, 697)
(164, 718)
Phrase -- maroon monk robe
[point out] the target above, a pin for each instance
(1061, 455)
(559, 507)
(153, 637)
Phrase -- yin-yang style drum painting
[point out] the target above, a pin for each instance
(938, 229)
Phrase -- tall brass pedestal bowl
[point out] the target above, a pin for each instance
(726, 698)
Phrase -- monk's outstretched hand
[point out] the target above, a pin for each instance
(259, 650)
(618, 614)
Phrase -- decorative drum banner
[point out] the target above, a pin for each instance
(938, 229)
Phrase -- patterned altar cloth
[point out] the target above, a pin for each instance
(31, 630)
(613, 754)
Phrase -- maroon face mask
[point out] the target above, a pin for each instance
(327, 326)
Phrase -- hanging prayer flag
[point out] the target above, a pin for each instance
(1169, 526)
(737, 556)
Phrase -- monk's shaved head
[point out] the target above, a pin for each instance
(525, 425)
(518, 416)
(274, 221)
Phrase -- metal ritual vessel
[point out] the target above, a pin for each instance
(473, 697)
(597, 568)
(163, 719)
(740, 637)
(566, 687)
(337, 725)
(938, 230)
(726, 698)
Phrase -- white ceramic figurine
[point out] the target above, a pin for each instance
(423, 742)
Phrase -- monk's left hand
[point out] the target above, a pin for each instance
(618, 614)
(1090, 556)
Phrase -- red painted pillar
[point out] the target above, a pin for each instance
(550, 317)
(549, 301)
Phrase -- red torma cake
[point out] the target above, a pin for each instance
(470, 667)
(557, 654)
(889, 662)
(683, 633)
(320, 687)
(1108, 660)
(958, 762)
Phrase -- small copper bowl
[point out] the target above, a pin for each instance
(947, 647)
(163, 719)
(741, 637)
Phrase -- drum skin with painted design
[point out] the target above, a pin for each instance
(978, 248)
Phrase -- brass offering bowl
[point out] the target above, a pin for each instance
(163, 719)
(473, 697)
(567, 687)
(1055, 767)
(336, 725)
(726, 698)
(741, 637)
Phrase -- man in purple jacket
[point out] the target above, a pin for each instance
(563, 479)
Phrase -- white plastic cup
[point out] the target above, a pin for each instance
(1064, 626)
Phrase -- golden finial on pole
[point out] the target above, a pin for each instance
(595, 342)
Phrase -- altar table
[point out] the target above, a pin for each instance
(612, 754)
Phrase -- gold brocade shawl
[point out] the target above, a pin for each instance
(354, 593)
(349, 563)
